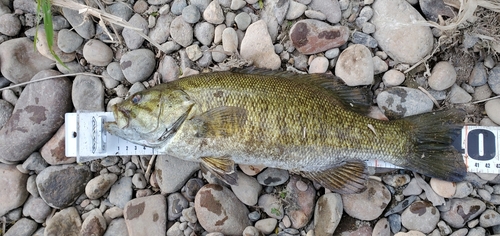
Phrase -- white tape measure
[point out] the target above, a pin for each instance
(86, 139)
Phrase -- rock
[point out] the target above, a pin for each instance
(478, 76)
(443, 188)
(237, 4)
(97, 53)
(146, 215)
(403, 101)
(271, 205)
(69, 41)
(316, 15)
(204, 32)
(420, 216)
(132, 39)
(257, 47)
(369, 204)
(410, 233)
(489, 218)
(443, 76)
(230, 40)
(396, 34)
(168, 69)
(396, 180)
(13, 191)
(246, 189)
(482, 92)
(99, 185)
(318, 65)
(35, 162)
(273, 177)
(218, 210)
(43, 47)
(251, 170)
(181, 32)
(38, 113)
(494, 79)
(393, 78)
(121, 192)
(177, 6)
(457, 212)
(213, 13)
(295, 10)
(53, 152)
(161, 31)
(300, 196)
(22, 227)
(191, 188)
(37, 209)
(433, 9)
(331, 9)
(194, 52)
(243, 20)
(395, 222)
(379, 66)
(364, 39)
(122, 10)
(6, 110)
(138, 65)
(401, 205)
(94, 223)
(355, 66)
(84, 26)
(191, 14)
(65, 222)
(10, 24)
(381, 228)
(313, 36)
(327, 214)
(458, 95)
(172, 173)
(60, 186)
(116, 227)
(266, 226)
(492, 107)
(19, 62)
(88, 93)
(176, 204)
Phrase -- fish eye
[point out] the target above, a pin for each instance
(136, 99)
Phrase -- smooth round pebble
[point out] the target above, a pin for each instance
(421, 216)
(191, 14)
(97, 53)
(68, 41)
(181, 31)
(243, 20)
(393, 78)
(266, 226)
(327, 214)
(369, 204)
(176, 203)
(273, 177)
(457, 212)
(247, 189)
(355, 66)
(492, 108)
(204, 32)
(251, 170)
(213, 13)
(396, 180)
(271, 205)
(403, 101)
(494, 79)
(458, 95)
(478, 76)
(138, 65)
(318, 65)
(10, 24)
(443, 76)
(132, 39)
(443, 188)
(99, 185)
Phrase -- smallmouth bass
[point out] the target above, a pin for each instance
(312, 125)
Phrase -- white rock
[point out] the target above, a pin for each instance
(194, 52)
(230, 40)
(319, 65)
(251, 170)
(266, 226)
(393, 78)
(443, 76)
(295, 10)
(443, 188)
(247, 189)
(258, 47)
(97, 53)
(327, 214)
(459, 95)
(397, 34)
(355, 65)
(492, 107)
(213, 13)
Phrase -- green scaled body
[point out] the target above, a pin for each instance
(312, 125)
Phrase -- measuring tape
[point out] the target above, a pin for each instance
(87, 140)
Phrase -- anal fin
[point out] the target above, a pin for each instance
(350, 177)
(223, 168)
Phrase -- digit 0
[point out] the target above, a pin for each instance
(488, 145)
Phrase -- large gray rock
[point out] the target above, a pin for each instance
(13, 190)
(403, 101)
(172, 173)
(38, 113)
(19, 62)
(60, 186)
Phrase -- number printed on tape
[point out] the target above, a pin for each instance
(479, 145)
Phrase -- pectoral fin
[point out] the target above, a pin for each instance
(222, 168)
(220, 122)
(350, 177)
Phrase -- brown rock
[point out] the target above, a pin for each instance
(64, 222)
(13, 191)
(146, 215)
(94, 224)
(300, 201)
(38, 113)
(313, 36)
(369, 204)
(54, 150)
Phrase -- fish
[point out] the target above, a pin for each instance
(312, 125)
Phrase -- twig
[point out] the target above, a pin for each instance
(47, 78)
(430, 96)
(150, 166)
(485, 100)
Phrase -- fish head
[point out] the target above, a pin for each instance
(150, 117)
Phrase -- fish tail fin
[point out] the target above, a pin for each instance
(432, 153)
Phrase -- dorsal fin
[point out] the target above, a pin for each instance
(357, 99)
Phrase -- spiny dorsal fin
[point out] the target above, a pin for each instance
(350, 177)
(220, 122)
(222, 167)
(357, 99)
